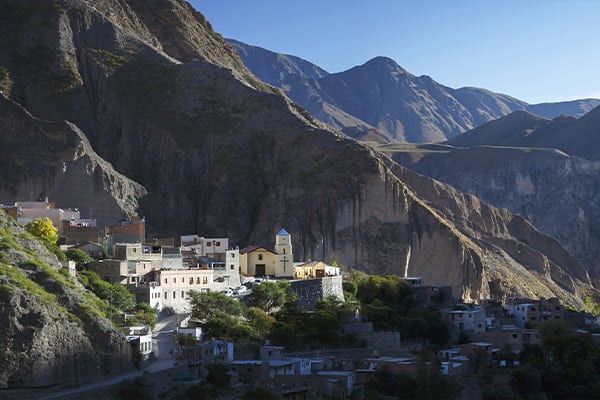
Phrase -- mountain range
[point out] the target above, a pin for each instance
(140, 105)
(380, 101)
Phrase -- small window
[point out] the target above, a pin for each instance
(182, 294)
(166, 280)
(174, 280)
(208, 244)
(260, 256)
(197, 280)
(514, 335)
(174, 294)
(191, 280)
(231, 266)
(165, 295)
(217, 243)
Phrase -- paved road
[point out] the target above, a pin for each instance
(163, 343)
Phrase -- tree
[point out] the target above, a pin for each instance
(44, 229)
(350, 289)
(218, 374)
(80, 257)
(120, 297)
(116, 295)
(430, 382)
(260, 321)
(269, 295)
(145, 314)
(208, 305)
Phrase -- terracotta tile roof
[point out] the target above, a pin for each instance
(251, 249)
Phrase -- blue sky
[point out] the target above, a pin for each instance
(542, 50)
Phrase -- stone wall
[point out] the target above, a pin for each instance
(309, 291)
(374, 340)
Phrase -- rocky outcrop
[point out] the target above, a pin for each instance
(504, 162)
(50, 331)
(558, 193)
(224, 155)
(54, 159)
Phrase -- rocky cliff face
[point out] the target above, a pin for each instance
(224, 154)
(380, 101)
(55, 159)
(557, 192)
(50, 330)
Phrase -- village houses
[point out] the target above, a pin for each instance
(162, 275)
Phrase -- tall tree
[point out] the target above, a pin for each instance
(269, 296)
(44, 229)
(208, 305)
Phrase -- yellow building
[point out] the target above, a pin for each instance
(260, 261)
(257, 261)
(314, 269)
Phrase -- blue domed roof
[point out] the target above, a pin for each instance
(283, 232)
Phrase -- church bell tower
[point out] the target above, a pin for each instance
(284, 260)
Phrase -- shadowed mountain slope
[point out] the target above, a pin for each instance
(42, 159)
(511, 163)
(52, 331)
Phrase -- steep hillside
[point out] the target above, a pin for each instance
(41, 159)
(578, 137)
(51, 329)
(221, 153)
(504, 163)
(380, 101)
(512, 130)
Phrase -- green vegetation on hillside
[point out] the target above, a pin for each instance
(36, 277)
(564, 366)
(428, 383)
(46, 232)
(116, 301)
(389, 303)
